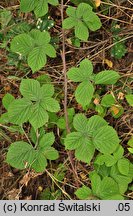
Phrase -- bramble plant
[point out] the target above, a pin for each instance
(36, 113)
(84, 74)
(82, 19)
(36, 46)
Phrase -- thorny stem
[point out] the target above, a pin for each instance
(65, 91)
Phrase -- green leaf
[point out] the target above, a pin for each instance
(47, 90)
(84, 93)
(22, 44)
(86, 68)
(7, 100)
(130, 142)
(82, 9)
(51, 153)
(20, 155)
(38, 117)
(94, 123)
(5, 17)
(73, 140)
(85, 151)
(92, 21)
(37, 58)
(41, 8)
(71, 11)
(83, 193)
(30, 89)
(27, 5)
(40, 162)
(81, 31)
(46, 141)
(50, 104)
(105, 139)
(80, 123)
(108, 159)
(107, 77)
(50, 51)
(69, 23)
(123, 166)
(129, 99)
(108, 100)
(95, 182)
(82, 73)
(108, 189)
(20, 111)
(122, 180)
(118, 154)
(40, 38)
